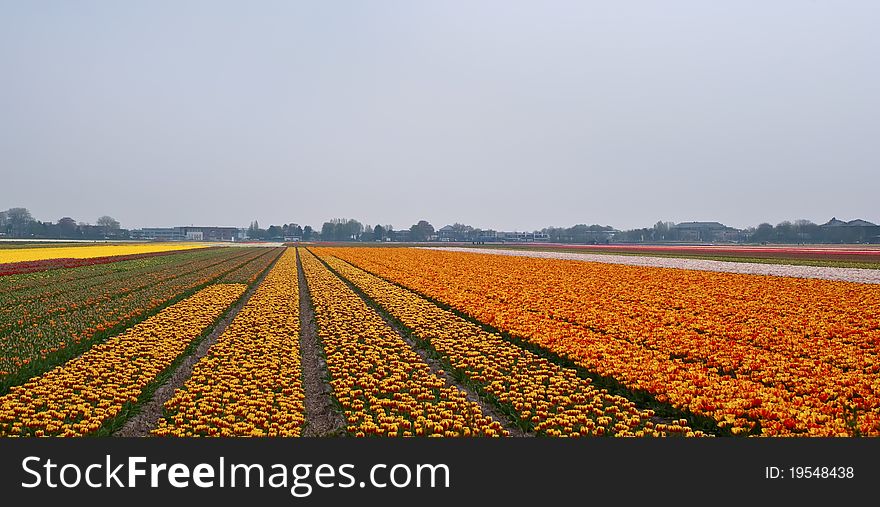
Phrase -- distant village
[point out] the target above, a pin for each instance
(17, 223)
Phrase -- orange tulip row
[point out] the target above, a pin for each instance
(383, 386)
(250, 381)
(79, 397)
(541, 395)
(792, 355)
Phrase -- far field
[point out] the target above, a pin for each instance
(842, 256)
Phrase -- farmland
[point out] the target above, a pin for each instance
(40, 258)
(758, 355)
(854, 256)
(435, 343)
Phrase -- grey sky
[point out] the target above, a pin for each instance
(499, 114)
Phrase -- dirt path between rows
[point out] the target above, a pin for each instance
(323, 417)
(147, 417)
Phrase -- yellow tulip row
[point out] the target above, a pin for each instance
(90, 251)
(383, 386)
(79, 397)
(250, 381)
(544, 396)
(791, 355)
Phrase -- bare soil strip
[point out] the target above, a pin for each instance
(323, 416)
(434, 364)
(857, 275)
(148, 414)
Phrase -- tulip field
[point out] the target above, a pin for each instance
(185, 340)
(757, 355)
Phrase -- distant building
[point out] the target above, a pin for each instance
(834, 222)
(401, 235)
(469, 234)
(854, 231)
(705, 231)
(210, 233)
(457, 232)
(448, 233)
(525, 237)
(186, 233)
(158, 234)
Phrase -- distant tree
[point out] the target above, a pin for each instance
(254, 231)
(307, 233)
(19, 221)
(662, 231)
(291, 229)
(353, 230)
(379, 233)
(108, 224)
(807, 232)
(763, 233)
(368, 234)
(341, 229)
(784, 232)
(274, 231)
(328, 231)
(421, 231)
(553, 233)
(67, 228)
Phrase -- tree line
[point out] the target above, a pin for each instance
(805, 231)
(19, 223)
(280, 232)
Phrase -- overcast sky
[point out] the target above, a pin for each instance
(498, 114)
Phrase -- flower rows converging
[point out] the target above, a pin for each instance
(250, 381)
(758, 354)
(38, 324)
(57, 281)
(383, 386)
(415, 342)
(86, 393)
(27, 302)
(539, 394)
